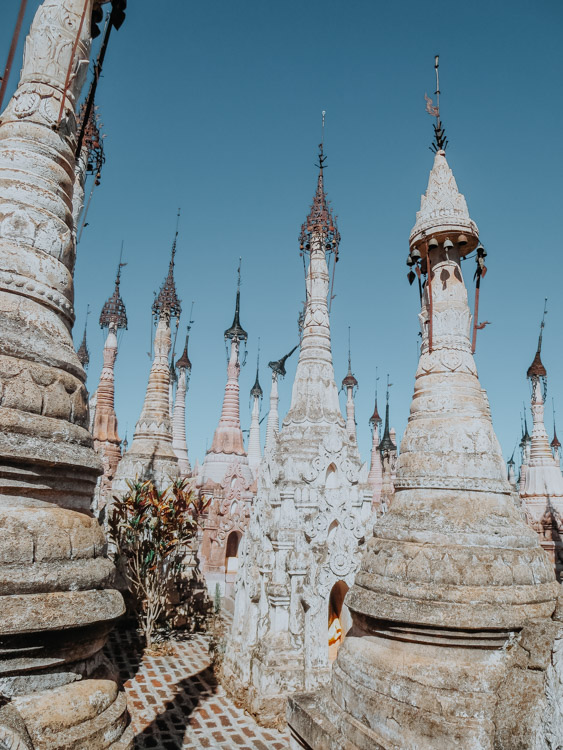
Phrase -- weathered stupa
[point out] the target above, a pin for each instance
(541, 491)
(106, 438)
(303, 545)
(151, 455)
(57, 603)
(453, 644)
(225, 475)
(179, 442)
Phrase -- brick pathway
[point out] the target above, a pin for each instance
(176, 704)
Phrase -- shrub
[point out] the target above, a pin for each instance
(151, 530)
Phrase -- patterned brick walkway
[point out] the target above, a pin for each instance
(175, 702)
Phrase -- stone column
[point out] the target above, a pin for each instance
(56, 594)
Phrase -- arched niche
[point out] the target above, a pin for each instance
(339, 619)
(331, 477)
(231, 552)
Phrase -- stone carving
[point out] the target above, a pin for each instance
(453, 644)
(307, 527)
(56, 595)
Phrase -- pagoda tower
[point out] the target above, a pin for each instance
(375, 476)
(106, 438)
(179, 443)
(254, 451)
(541, 492)
(302, 547)
(151, 455)
(350, 385)
(454, 588)
(57, 595)
(556, 446)
(225, 475)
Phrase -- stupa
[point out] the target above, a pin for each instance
(254, 450)
(179, 442)
(151, 455)
(308, 526)
(57, 600)
(453, 642)
(225, 476)
(107, 443)
(375, 476)
(541, 492)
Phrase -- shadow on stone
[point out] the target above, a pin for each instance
(167, 730)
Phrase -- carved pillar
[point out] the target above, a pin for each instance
(56, 598)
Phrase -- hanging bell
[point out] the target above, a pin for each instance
(415, 254)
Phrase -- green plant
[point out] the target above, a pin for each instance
(150, 530)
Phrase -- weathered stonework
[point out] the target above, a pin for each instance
(308, 522)
(452, 643)
(56, 595)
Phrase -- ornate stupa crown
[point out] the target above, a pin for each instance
(167, 302)
(82, 352)
(375, 419)
(537, 370)
(184, 362)
(279, 365)
(443, 212)
(113, 311)
(320, 220)
(236, 331)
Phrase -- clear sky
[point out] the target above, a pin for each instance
(216, 107)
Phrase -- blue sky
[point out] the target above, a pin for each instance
(216, 107)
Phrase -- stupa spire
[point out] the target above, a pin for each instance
(254, 452)
(541, 491)
(83, 351)
(179, 442)
(228, 438)
(106, 438)
(375, 476)
(350, 384)
(151, 453)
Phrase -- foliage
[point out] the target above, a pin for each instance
(151, 531)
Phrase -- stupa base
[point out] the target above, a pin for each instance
(392, 695)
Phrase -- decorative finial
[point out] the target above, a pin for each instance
(184, 361)
(113, 312)
(167, 302)
(279, 365)
(349, 380)
(440, 141)
(536, 370)
(236, 331)
(256, 390)
(387, 444)
(555, 442)
(83, 353)
(375, 419)
(323, 129)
